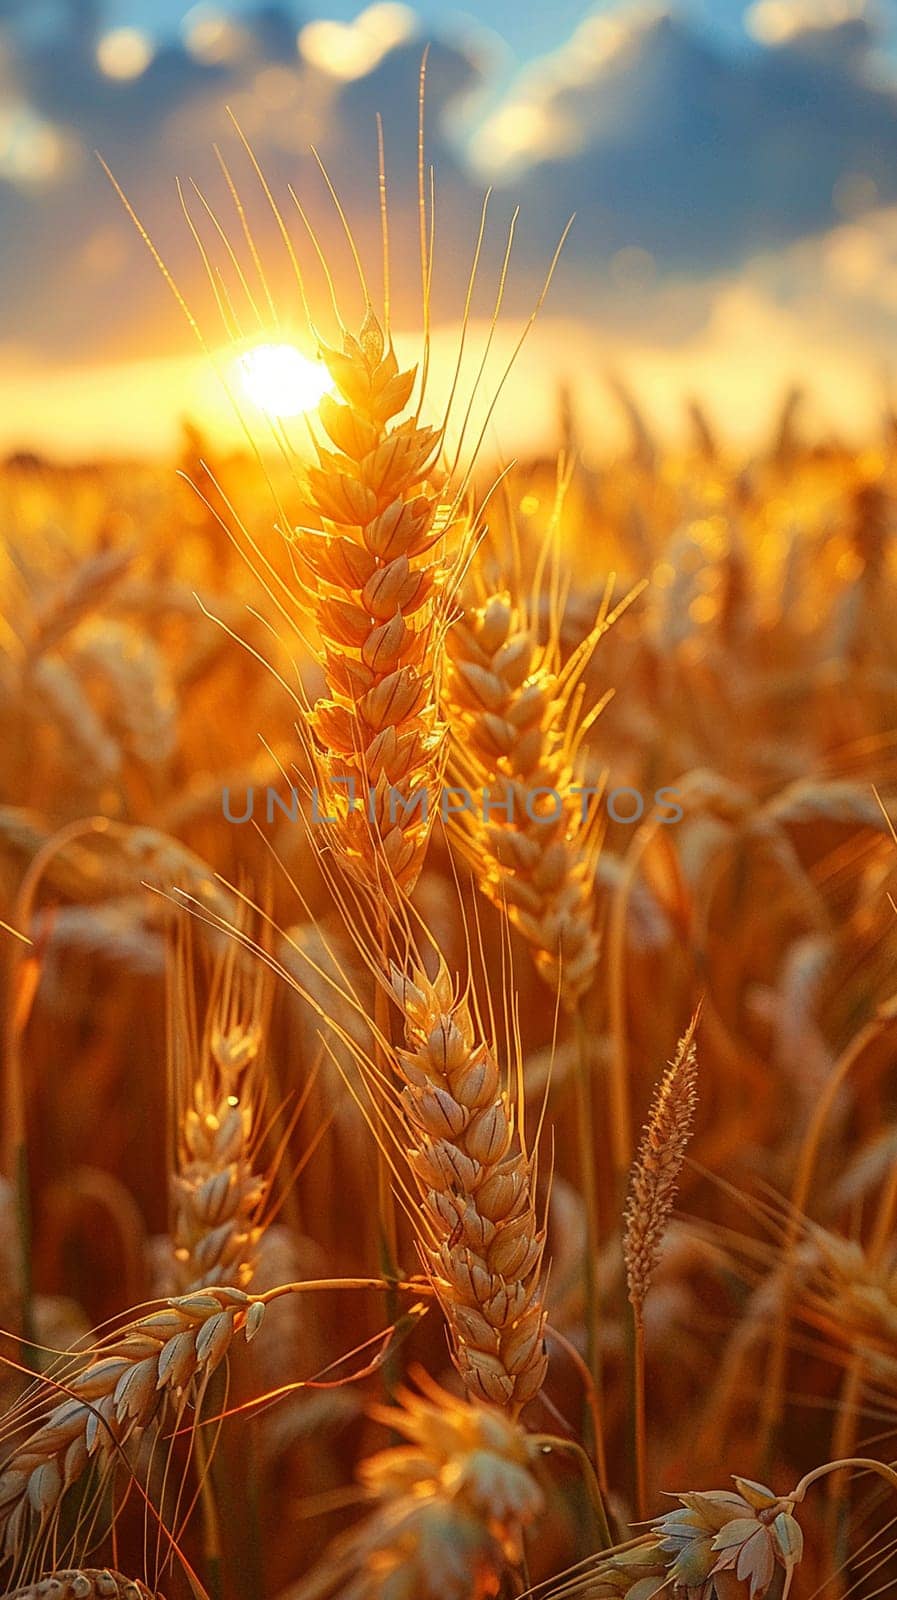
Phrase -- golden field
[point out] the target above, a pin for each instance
(334, 1261)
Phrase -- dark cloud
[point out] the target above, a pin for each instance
(696, 157)
(75, 274)
(702, 159)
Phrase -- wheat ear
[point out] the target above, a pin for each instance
(136, 687)
(217, 1194)
(84, 1583)
(480, 1236)
(517, 709)
(372, 548)
(655, 1175)
(81, 592)
(450, 1505)
(519, 721)
(160, 1360)
(724, 1543)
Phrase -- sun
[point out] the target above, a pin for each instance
(280, 380)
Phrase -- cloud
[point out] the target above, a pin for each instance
(660, 141)
(683, 162)
(74, 274)
(831, 21)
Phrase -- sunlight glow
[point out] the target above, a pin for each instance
(349, 50)
(280, 380)
(773, 22)
(211, 36)
(517, 130)
(124, 53)
(31, 150)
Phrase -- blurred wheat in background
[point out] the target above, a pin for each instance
(333, 1261)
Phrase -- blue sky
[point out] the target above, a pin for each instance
(530, 29)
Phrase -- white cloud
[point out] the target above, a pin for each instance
(349, 50)
(543, 117)
(774, 22)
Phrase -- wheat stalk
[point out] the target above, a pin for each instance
(534, 849)
(10, 1258)
(480, 1236)
(372, 547)
(217, 1194)
(373, 550)
(133, 681)
(518, 727)
(163, 1359)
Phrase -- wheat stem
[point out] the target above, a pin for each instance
(595, 1409)
(386, 1202)
(210, 1520)
(860, 1463)
(847, 1415)
(549, 1441)
(775, 1376)
(585, 1123)
(639, 1415)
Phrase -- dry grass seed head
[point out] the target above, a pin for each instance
(657, 1166)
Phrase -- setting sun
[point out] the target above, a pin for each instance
(279, 379)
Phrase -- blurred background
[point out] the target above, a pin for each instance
(732, 167)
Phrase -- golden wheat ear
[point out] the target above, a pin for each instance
(85, 1583)
(378, 533)
(374, 543)
(517, 709)
(479, 1232)
(501, 693)
(217, 1074)
(442, 1106)
(723, 1543)
(451, 1505)
(152, 1369)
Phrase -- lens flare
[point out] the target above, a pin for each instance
(280, 380)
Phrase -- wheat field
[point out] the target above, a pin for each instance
(448, 946)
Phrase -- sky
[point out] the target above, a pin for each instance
(732, 168)
(528, 30)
